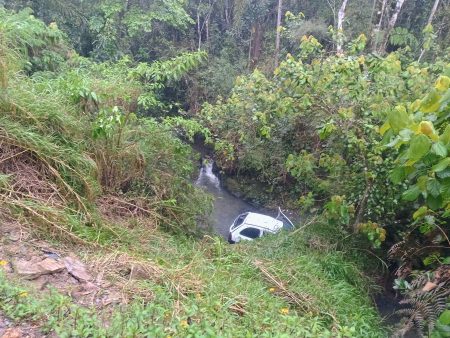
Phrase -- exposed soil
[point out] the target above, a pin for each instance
(9, 329)
(40, 266)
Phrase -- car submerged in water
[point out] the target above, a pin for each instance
(251, 225)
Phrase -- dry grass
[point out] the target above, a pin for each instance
(301, 301)
(128, 211)
(132, 274)
(28, 177)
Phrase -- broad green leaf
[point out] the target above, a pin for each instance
(397, 175)
(422, 182)
(411, 194)
(444, 173)
(445, 100)
(445, 137)
(445, 188)
(443, 164)
(434, 203)
(439, 149)
(384, 128)
(443, 83)
(398, 118)
(444, 318)
(419, 147)
(431, 102)
(434, 187)
(420, 212)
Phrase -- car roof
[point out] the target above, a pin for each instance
(263, 221)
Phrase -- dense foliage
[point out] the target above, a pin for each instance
(80, 126)
(239, 35)
(316, 131)
(337, 109)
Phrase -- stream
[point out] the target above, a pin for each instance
(226, 206)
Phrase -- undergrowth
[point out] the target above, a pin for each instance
(246, 290)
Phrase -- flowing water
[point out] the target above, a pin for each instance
(226, 206)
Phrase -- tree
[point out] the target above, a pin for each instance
(341, 17)
(433, 12)
(277, 40)
(391, 24)
(377, 29)
(429, 22)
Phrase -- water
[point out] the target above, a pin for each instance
(226, 206)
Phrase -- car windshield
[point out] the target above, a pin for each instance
(239, 220)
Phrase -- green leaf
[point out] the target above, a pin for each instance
(411, 194)
(419, 147)
(398, 118)
(431, 102)
(434, 203)
(445, 137)
(439, 149)
(434, 187)
(398, 175)
(422, 182)
(443, 83)
(444, 173)
(443, 164)
(420, 212)
(384, 128)
(444, 318)
(429, 260)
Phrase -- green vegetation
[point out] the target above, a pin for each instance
(338, 110)
(346, 138)
(222, 293)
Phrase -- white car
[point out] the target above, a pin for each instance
(250, 225)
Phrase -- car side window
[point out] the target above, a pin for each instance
(251, 233)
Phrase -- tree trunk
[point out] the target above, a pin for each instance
(340, 24)
(377, 29)
(277, 39)
(207, 31)
(391, 24)
(433, 12)
(256, 45)
(383, 9)
(199, 30)
(429, 22)
(227, 14)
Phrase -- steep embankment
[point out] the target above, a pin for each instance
(159, 285)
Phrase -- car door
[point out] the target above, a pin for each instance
(250, 233)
